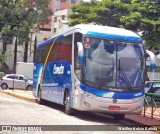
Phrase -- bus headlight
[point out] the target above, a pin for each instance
(139, 99)
(87, 94)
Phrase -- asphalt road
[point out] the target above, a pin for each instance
(14, 111)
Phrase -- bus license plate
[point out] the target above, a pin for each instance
(114, 108)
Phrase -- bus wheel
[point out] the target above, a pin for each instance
(118, 116)
(39, 100)
(68, 109)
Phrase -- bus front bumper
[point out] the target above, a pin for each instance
(110, 105)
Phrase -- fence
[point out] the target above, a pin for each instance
(152, 105)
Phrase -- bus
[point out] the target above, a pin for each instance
(92, 68)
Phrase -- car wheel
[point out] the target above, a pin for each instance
(4, 86)
(68, 109)
(118, 116)
(149, 99)
(29, 87)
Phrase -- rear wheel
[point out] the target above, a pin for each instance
(148, 99)
(118, 116)
(4, 86)
(68, 109)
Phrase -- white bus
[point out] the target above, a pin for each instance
(92, 68)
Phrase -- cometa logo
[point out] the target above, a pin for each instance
(58, 70)
(137, 94)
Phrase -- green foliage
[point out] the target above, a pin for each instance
(83, 13)
(136, 15)
(19, 16)
(3, 57)
(105, 12)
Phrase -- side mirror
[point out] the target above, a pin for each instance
(80, 52)
(152, 59)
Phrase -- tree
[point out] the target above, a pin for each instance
(144, 17)
(19, 16)
(140, 16)
(83, 13)
(2, 58)
(109, 12)
(105, 12)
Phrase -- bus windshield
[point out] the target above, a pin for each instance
(113, 64)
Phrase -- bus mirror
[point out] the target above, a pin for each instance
(80, 51)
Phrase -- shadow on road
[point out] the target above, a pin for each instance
(106, 119)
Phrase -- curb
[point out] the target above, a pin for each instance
(20, 96)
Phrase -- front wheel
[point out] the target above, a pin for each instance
(148, 99)
(118, 116)
(68, 109)
(39, 99)
(29, 88)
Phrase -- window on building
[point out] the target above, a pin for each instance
(73, 1)
(62, 0)
(55, 19)
(54, 30)
(63, 17)
(45, 39)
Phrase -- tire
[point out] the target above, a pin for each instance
(4, 86)
(39, 99)
(119, 116)
(29, 87)
(68, 109)
(148, 99)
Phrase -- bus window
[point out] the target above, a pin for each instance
(62, 49)
(53, 54)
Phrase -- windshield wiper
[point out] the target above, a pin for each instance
(124, 76)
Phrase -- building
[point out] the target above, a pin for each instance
(59, 21)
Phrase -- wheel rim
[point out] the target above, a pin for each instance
(4, 86)
(38, 97)
(148, 99)
(67, 102)
(29, 88)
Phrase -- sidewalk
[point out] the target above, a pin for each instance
(26, 95)
(139, 119)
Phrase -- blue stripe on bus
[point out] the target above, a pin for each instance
(50, 40)
(114, 95)
(114, 37)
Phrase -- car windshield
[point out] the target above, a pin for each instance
(155, 88)
(114, 64)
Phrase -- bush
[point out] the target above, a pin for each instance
(1, 74)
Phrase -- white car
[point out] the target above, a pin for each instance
(152, 86)
(16, 81)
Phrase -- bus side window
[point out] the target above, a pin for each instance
(53, 54)
(62, 49)
(77, 68)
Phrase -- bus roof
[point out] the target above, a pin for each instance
(99, 31)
